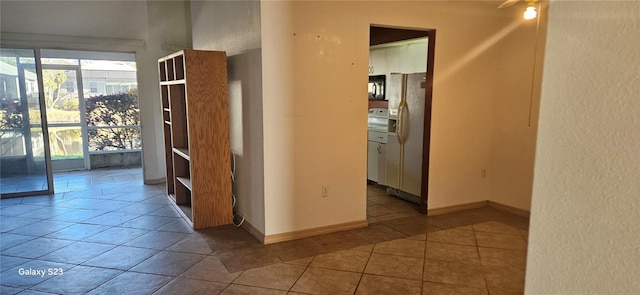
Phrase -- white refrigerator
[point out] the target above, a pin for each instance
(406, 95)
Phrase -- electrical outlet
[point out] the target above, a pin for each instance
(325, 191)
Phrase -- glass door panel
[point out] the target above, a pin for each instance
(64, 102)
(23, 148)
(66, 147)
(61, 96)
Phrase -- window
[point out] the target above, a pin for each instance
(93, 87)
(109, 97)
(112, 105)
(70, 86)
(91, 105)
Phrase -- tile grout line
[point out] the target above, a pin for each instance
(364, 268)
(424, 261)
(301, 274)
(484, 275)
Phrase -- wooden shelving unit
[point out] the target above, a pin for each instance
(193, 86)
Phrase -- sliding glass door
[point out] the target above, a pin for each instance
(24, 140)
(64, 110)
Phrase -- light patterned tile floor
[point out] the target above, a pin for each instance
(127, 238)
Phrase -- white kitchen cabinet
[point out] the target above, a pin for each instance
(382, 163)
(377, 61)
(372, 161)
(401, 58)
(406, 59)
(377, 162)
(394, 57)
(416, 54)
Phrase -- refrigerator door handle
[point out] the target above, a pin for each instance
(400, 123)
(403, 111)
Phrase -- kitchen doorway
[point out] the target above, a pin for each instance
(382, 63)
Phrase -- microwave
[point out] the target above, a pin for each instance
(376, 87)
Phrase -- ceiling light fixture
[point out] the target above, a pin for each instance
(531, 12)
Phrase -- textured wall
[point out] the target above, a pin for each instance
(516, 112)
(234, 27)
(586, 194)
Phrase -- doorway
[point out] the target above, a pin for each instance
(379, 36)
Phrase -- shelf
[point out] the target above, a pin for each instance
(186, 212)
(182, 153)
(173, 82)
(167, 122)
(166, 109)
(186, 181)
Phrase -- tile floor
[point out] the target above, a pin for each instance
(105, 233)
(23, 183)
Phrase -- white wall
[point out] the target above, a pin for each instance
(314, 58)
(76, 18)
(122, 26)
(517, 102)
(584, 220)
(168, 30)
(234, 27)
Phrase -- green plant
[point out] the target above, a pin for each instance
(115, 110)
(11, 123)
(52, 80)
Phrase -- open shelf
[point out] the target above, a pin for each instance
(162, 69)
(178, 116)
(184, 153)
(171, 69)
(185, 181)
(170, 74)
(172, 82)
(165, 96)
(178, 62)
